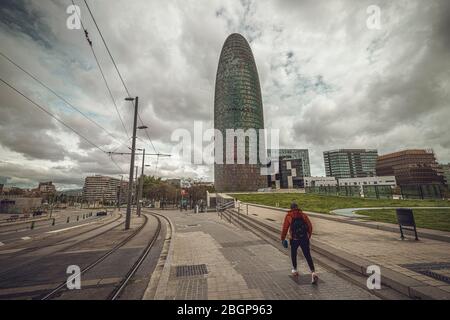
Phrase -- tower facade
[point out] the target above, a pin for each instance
(238, 105)
(350, 163)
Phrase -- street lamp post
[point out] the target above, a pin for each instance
(130, 179)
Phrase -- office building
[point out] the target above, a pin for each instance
(368, 181)
(350, 163)
(302, 154)
(320, 182)
(46, 188)
(237, 105)
(411, 167)
(104, 189)
(289, 176)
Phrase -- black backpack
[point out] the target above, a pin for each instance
(299, 228)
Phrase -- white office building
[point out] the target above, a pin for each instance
(320, 182)
(103, 189)
(368, 181)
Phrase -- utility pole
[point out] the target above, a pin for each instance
(135, 185)
(133, 147)
(120, 192)
(141, 185)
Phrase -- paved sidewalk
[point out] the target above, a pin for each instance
(212, 259)
(427, 261)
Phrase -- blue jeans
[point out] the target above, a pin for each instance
(304, 245)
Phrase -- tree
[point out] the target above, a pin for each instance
(156, 189)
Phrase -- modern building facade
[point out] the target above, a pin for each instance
(332, 181)
(350, 163)
(302, 154)
(411, 167)
(104, 189)
(237, 105)
(289, 176)
(320, 182)
(368, 181)
(46, 188)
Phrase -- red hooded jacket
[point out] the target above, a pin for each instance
(288, 219)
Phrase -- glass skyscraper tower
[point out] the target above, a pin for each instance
(237, 105)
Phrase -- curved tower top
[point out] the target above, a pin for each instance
(238, 105)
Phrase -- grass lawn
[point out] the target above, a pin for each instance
(324, 204)
(437, 219)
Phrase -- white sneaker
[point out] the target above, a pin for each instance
(314, 278)
(294, 272)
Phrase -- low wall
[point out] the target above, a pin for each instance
(19, 205)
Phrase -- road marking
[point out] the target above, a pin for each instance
(25, 238)
(69, 228)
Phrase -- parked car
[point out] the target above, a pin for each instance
(101, 213)
(38, 212)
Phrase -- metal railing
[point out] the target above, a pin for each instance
(224, 206)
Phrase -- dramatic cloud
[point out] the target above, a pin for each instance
(328, 81)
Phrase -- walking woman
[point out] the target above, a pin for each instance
(300, 231)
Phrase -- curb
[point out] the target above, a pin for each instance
(157, 285)
(424, 233)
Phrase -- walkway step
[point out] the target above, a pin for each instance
(395, 280)
(423, 233)
(337, 268)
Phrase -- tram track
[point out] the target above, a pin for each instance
(38, 245)
(36, 248)
(124, 282)
(119, 288)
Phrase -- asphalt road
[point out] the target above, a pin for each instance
(31, 268)
(8, 237)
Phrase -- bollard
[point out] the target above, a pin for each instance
(78, 218)
(247, 209)
(32, 225)
(68, 219)
(84, 216)
(53, 222)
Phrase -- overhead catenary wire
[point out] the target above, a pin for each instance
(114, 161)
(55, 117)
(117, 69)
(86, 34)
(58, 96)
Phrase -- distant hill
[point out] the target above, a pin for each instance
(71, 192)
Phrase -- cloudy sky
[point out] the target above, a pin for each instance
(328, 81)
